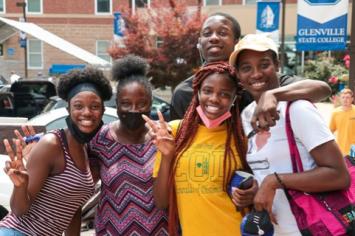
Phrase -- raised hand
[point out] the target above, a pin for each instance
(265, 114)
(15, 168)
(161, 134)
(29, 132)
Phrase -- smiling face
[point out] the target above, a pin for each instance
(257, 71)
(133, 97)
(217, 39)
(217, 94)
(86, 110)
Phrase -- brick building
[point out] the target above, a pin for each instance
(89, 25)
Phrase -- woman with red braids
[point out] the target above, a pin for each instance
(196, 160)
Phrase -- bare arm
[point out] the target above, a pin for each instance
(165, 143)
(265, 113)
(161, 184)
(329, 175)
(75, 224)
(312, 90)
(38, 168)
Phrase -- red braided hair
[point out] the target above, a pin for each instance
(188, 129)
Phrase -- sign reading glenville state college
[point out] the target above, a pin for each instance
(321, 25)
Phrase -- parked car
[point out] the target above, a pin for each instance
(160, 104)
(55, 119)
(6, 186)
(6, 104)
(28, 97)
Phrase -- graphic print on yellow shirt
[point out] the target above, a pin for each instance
(204, 208)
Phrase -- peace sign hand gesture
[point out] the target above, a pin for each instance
(31, 137)
(15, 168)
(161, 134)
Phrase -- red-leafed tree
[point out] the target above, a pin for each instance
(176, 29)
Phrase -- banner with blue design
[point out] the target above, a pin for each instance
(267, 18)
(118, 24)
(322, 25)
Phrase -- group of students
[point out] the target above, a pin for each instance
(172, 179)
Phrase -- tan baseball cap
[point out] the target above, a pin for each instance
(255, 42)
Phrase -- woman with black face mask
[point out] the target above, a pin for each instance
(123, 155)
(56, 181)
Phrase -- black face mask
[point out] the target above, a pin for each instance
(80, 136)
(133, 120)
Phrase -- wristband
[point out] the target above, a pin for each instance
(33, 138)
(279, 180)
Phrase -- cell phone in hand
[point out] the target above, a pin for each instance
(246, 183)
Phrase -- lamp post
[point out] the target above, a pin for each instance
(352, 50)
(22, 35)
(282, 46)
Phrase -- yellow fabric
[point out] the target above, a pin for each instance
(204, 208)
(343, 123)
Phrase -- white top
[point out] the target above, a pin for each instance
(268, 152)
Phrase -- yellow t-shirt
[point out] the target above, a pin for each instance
(343, 122)
(204, 208)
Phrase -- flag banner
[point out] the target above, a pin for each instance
(267, 19)
(321, 25)
(118, 24)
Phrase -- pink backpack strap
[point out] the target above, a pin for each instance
(294, 153)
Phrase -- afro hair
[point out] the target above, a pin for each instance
(129, 66)
(87, 75)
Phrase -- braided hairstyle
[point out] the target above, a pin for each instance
(188, 129)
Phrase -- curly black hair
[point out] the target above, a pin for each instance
(87, 75)
(129, 69)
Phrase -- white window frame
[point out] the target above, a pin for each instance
(35, 13)
(220, 3)
(28, 54)
(103, 13)
(97, 49)
(249, 4)
(4, 7)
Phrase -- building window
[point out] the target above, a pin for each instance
(103, 6)
(212, 2)
(35, 54)
(34, 6)
(101, 49)
(2, 6)
(141, 3)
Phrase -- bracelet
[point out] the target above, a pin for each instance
(279, 180)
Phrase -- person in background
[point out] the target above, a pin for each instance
(123, 154)
(342, 121)
(56, 181)
(196, 161)
(256, 63)
(14, 77)
(218, 35)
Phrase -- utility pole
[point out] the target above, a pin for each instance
(23, 39)
(282, 45)
(352, 50)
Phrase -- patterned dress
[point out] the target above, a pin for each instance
(126, 205)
